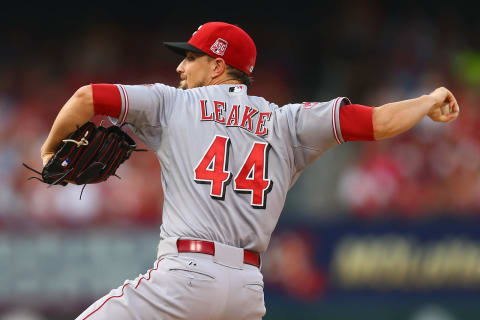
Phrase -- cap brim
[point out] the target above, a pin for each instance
(181, 48)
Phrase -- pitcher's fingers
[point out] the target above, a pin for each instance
(456, 107)
(452, 101)
(452, 116)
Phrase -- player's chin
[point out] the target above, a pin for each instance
(183, 85)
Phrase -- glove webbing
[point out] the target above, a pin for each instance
(97, 139)
(93, 137)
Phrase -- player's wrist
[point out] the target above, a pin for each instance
(47, 148)
(430, 101)
(44, 151)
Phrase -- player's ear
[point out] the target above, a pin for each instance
(218, 67)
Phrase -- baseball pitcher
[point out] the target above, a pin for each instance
(228, 160)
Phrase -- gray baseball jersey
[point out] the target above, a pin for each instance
(228, 159)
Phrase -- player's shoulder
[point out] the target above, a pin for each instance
(163, 87)
(236, 94)
(170, 94)
(263, 103)
(308, 105)
(155, 88)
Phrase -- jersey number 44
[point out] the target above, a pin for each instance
(251, 178)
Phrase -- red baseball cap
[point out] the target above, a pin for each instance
(221, 40)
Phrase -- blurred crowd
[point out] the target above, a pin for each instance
(432, 169)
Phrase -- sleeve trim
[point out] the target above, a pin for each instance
(126, 104)
(336, 118)
(334, 125)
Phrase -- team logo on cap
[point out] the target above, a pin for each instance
(219, 47)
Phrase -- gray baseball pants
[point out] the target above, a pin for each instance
(187, 286)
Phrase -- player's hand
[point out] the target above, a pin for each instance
(46, 156)
(445, 107)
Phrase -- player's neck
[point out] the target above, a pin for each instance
(223, 80)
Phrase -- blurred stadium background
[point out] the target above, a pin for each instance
(386, 230)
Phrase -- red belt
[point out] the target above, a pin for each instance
(208, 247)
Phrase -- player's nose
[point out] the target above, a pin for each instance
(181, 68)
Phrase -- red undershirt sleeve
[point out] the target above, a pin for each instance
(106, 100)
(356, 122)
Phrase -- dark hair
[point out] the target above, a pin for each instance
(236, 74)
(239, 75)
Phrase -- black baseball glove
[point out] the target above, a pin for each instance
(90, 154)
